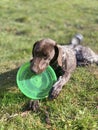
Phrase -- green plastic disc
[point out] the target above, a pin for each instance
(35, 86)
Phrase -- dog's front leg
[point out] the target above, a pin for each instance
(57, 87)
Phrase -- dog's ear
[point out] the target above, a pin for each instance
(58, 55)
(34, 47)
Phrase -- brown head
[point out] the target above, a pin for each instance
(43, 52)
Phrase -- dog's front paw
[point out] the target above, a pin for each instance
(56, 89)
(34, 105)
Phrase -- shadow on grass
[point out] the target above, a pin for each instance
(8, 82)
(8, 79)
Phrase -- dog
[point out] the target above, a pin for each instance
(62, 58)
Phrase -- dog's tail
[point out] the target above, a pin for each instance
(76, 40)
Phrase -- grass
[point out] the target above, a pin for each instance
(23, 22)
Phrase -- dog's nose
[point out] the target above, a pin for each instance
(31, 68)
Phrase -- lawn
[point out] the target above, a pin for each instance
(23, 22)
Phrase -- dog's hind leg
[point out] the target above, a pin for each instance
(89, 55)
(95, 59)
(85, 56)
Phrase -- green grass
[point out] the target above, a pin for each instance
(22, 22)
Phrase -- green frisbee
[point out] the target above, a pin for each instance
(35, 86)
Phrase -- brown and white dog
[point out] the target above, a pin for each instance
(62, 58)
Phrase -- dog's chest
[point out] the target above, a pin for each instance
(58, 69)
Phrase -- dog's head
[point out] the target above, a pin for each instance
(44, 51)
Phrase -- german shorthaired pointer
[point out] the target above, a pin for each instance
(62, 58)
